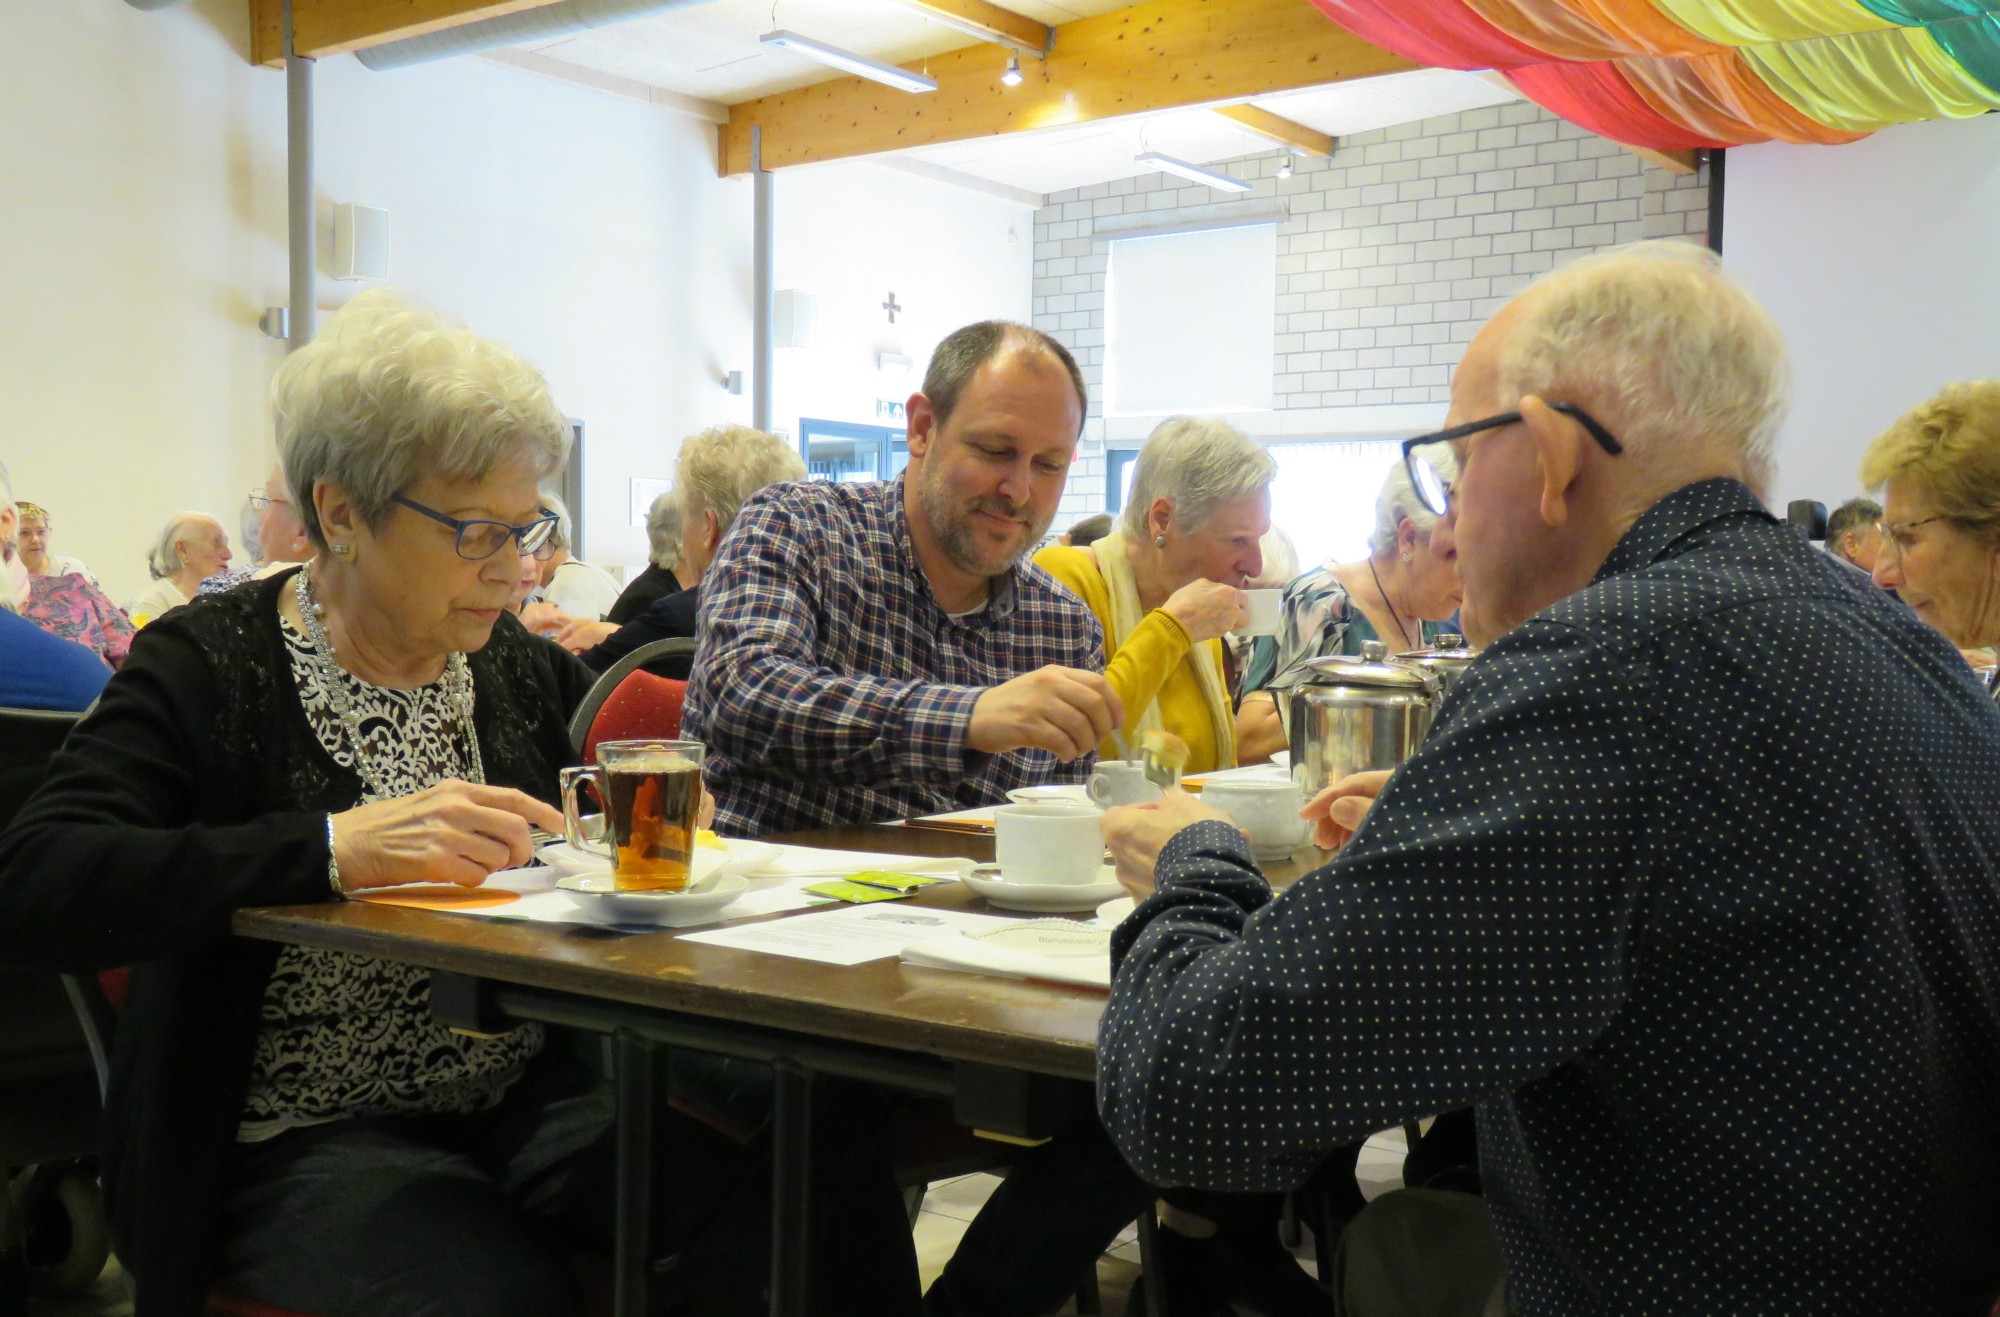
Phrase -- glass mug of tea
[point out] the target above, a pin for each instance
(652, 805)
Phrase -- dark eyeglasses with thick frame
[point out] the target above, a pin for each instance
(480, 539)
(1430, 483)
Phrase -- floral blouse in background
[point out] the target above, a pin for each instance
(75, 609)
(1319, 619)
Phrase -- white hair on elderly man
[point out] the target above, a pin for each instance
(389, 393)
(164, 558)
(1198, 462)
(1661, 331)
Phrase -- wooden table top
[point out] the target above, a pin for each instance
(1041, 1028)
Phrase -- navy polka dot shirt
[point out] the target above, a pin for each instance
(1692, 890)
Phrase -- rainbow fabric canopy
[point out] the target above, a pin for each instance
(1679, 74)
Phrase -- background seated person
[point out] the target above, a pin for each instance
(1940, 540)
(880, 651)
(663, 554)
(1854, 533)
(36, 525)
(1398, 594)
(1168, 582)
(575, 588)
(293, 1123)
(37, 670)
(192, 548)
(715, 474)
(1695, 949)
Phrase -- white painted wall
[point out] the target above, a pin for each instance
(1881, 263)
(851, 234)
(142, 201)
(142, 210)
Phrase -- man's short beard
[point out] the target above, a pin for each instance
(955, 538)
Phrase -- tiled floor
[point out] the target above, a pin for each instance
(948, 1206)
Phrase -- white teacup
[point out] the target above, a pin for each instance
(1266, 609)
(1117, 782)
(1052, 843)
(1266, 808)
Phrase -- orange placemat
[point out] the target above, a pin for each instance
(438, 896)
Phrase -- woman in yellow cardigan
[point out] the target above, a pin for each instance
(1168, 581)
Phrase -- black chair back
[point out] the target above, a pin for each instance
(29, 738)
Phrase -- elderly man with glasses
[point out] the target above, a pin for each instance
(1728, 1018)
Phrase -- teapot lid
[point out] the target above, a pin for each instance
(1372, 667)
(1448, 645)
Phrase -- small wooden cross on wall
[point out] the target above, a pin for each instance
(891, 307)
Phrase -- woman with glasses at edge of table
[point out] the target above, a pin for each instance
(290, 1124)
(1939, 469)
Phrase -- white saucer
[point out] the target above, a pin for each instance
(1039, 898)
(1067, 793)
(738, 858)
(593, 892)
(1116, 912)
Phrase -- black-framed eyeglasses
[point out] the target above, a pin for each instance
(480, 539)
(1429, 480)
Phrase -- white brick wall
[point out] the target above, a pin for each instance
(1391, 254)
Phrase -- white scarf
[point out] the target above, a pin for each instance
(1114, 562)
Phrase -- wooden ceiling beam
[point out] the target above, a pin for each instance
(334, 27)
(988, 22)
(1277, 128)
(1681, 162)
(1158, 55)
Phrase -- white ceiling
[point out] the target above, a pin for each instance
(710, 51)
(1060, 158)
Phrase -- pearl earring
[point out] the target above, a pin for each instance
(344, 549)
(1406, 558)
(1159, 541)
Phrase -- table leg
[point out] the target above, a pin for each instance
(791, 1188)
(635, 1063)
(1152, 1274)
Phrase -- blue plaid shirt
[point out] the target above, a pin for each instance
(831, 688)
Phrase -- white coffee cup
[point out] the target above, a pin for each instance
(1117, 782)
(1052, 843)
(1267, 612)
(1266, 808)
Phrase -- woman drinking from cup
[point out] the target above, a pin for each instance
(1168, 582)
(1407, 584)
(1939, 466)
(369, 720)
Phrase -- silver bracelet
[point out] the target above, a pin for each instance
(333, 864)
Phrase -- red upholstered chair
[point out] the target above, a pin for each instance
(630, 701)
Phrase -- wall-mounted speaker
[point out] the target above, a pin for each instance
(360, 242)
(794, 319)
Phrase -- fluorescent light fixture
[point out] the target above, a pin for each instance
(847, 60)
(1167, 164)
(1012, 77)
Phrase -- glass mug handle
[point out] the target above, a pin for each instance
(570, 779)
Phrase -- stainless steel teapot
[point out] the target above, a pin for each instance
(1357, 714)
(1448, 656)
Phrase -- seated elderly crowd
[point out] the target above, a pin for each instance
(1690, 902)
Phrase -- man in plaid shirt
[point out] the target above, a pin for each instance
(880, 651)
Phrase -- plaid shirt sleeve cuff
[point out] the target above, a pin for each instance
(935, 723)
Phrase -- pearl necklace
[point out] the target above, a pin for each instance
(457, 686)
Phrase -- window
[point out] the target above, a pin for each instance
(1324, 496)
(1190, 322)
(1118, 463)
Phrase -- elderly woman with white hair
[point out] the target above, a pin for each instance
(577, 588)
(190, 548)
(1168, 582)
(1398, 594)
(663, 554)
(293, 1124)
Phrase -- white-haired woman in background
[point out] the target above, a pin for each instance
(293, 1124)
(191, 548)
(1398, 594)
(578, 589)
(1168, 582)
(663, 554)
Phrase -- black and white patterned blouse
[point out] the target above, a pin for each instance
(1693, 890)
(348, 1035)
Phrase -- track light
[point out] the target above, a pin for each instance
(848, 61)
(1193, 173)
(1285, 168)
(1012, 76)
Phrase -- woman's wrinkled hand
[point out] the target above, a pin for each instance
(1336, 812)
(1137, 833)
(1207, 609)
(544, 619)
(579, 636)
(454, 832)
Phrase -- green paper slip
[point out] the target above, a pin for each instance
(854, 892)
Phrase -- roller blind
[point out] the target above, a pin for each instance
(1190, 320)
